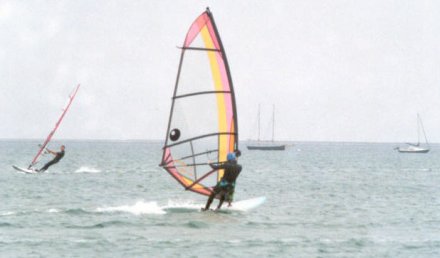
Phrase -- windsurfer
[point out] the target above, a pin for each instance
(58, 156)
(225, 187)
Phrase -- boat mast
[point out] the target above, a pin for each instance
(418, 129)
(273, 121)
(258, 138)
(423, 128)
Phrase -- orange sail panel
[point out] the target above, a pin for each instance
(202, 126)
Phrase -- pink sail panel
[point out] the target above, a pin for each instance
(184, 181)
(202, 21)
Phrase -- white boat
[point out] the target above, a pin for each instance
(415, 147)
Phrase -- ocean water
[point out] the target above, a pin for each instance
(110, 199)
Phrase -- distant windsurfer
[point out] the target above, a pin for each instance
(226, 186)
(58, 156)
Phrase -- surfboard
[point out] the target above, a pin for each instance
(25, 170)
(246, 205)
(239, 206)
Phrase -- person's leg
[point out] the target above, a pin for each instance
(230, 196)
(48, 164)
(222, 199)
(210, 199)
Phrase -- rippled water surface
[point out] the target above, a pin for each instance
(110, 199)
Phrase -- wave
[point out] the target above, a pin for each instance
(77, 211)
(100, 225)
(6, 224)
(7, 213)
(74, 211)
(196, 224)
(138, 208)
(142, 207)
(182, 206)
(85, 169)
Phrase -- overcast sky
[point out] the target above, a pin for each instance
(335, 70)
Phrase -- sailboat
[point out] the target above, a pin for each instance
(41, 150)
(202, 126)
(261, 145)
(415, 147)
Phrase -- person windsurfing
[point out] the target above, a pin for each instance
(58, 156)
(226, 186)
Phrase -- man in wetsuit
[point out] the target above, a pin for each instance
(225, 187)
(58, 156)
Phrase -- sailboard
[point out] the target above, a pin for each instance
(30, 168)
(247, 205)
(25, 170)
(239, 206)
(202, 125)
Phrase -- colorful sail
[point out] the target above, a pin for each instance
(49, 137)
(202, 125)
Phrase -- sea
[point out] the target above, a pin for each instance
(111, 199)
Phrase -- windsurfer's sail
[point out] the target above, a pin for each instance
(49, 137)
(202, 125)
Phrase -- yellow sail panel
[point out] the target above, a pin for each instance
(221, 109)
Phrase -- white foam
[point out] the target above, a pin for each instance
(53, 210)
(183, 204)
(138, 208)
(243, 205)
(8, 213)
(85, 169)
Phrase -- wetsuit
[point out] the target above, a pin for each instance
(57, 158)
(225, 187)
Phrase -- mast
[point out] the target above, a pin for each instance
(423, 128)
(418, 129)
(172, 103)
(228, 73)
(258, 138)
(273, 121)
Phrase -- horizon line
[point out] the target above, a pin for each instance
(244, 141)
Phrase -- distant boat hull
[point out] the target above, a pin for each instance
(266, 147)
(416, 148)
(412, 150)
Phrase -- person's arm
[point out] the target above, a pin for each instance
(239, 168)
(217, 166)
(51, 152)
